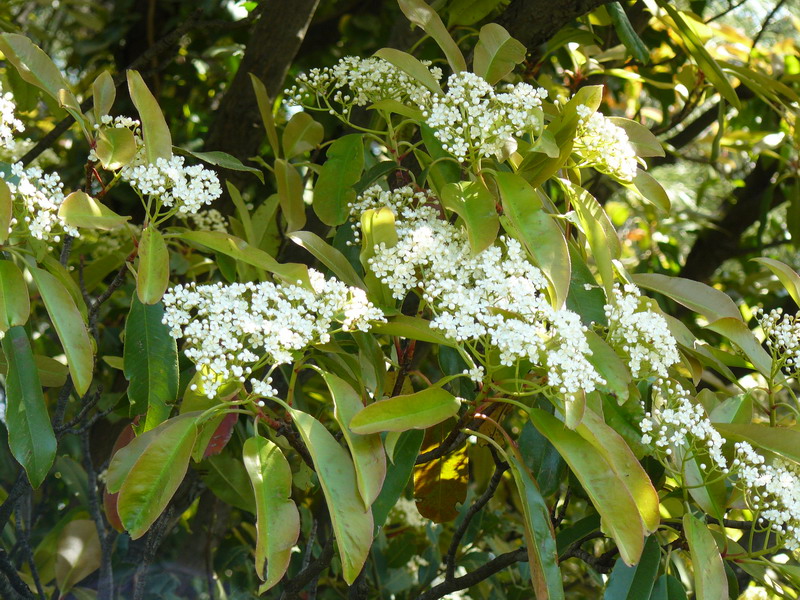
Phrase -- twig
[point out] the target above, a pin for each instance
(22, 526)
(105, 586)
(21, 485)
(450, 557)
(765, 23)
(483, 572)
(154, 538)
(310, 573)
(730, 8)
(16, 582)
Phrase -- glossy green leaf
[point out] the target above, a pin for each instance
(150, 363)
(60, 272)
(635, 582)
(277, 518)
(15, 304)
(352, 524)
(780, 440)
(699, 297)
(301, 134)
(242, 212)
(711, 496)
(240, 250)
(640, 137)
(70, 327)
(735, 410)
(51, 372)
(608, 494)
(627, 34)
(153, 272)
(446, 169)
(398, 474)
(537, 230)
(78, 554)
(222, 159)
(103, 94)
(81, 210)
(340, 172)
(290, 194)
(468, 12)
(369, 458)
(737, 332)
(30, 434)
(411, 66)
(787, 276)
(329, 256)
(412, 411)
(542, 458)
(496, 53)
(157, 139)
(539, 535)
(412, 328)
(696, 48)
(228, 479)
(396, 107)
(710, 582)
(422, 15)
(115, 147)
(265, 108)
(471, 201)
(610, 366)
(35, 67)
(613, 448)
(668, 587)
(650, 189)
(6, 210)
(156, 474)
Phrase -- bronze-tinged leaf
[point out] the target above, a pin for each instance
(441, 484)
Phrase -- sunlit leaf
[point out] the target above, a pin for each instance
(340, 172)
(329, 256)
(157, 139)
(290, 194)
(496, 53)
(15, 305)
(699, 297)
(79, 553)
(422, 15)
(411, 66)
(400, 413)
(787, 276)
(301, 134)
(81, 210)
(471, 201)
(153, 271)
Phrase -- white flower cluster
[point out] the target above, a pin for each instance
(9, 124)
(783, 338)
(38, 196)
(376, 197)
(209, 220)
(230, 328)
(604, 146)
(360, 81)
(170, 182)
(676, 426)
(472, 120)
(493, 300)
(772, 490)
(643, 335)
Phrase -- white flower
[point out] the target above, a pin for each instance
(783, 338)
(604, 146)
(9, 124)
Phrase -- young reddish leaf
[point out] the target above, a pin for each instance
(125, 437)
(222, 435)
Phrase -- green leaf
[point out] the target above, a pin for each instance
(70, 327)
(613, 448)
(377, 227)
(422, 15)
(441, 484)
(471, 201)
(538, 231)
(78, 555)
(696, 48)
(242, 251)
(635, 582)
(352, 524)
(302, 134)
(340, 172)
(150, 363)
(468, 12)
(641, 138)
(539, 535)
(735, 410)
(543, 460)
(609, 365)
(156, 474)
(710, 582)
(650, 189)
(369, 458)
(51, 372)
(780, 440)
(668, 587)
(81, 210)
(277, 518)
(608, 493)
(265, 108)
(222, 159)
(588, 303)
(6, 211)
(787, 276)
(699, 297)
(496, 53)
(30, 434)
(446, 170)
(413, 411)
(412, 328)
(329, 256)
(411, 66)
(395, 106)
(228, 479)
(153, 272)
(115, 147)
(35, 67)
(242, 212)
(103, 94)
(290, 194)
(157, 139)
(15, 304)
(737, 332)
(626, 32)
(398, 474)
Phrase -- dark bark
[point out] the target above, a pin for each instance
(274, 42)
(533, 22)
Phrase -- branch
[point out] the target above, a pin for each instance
(105, 586)
(483, 572)
(309, 573)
